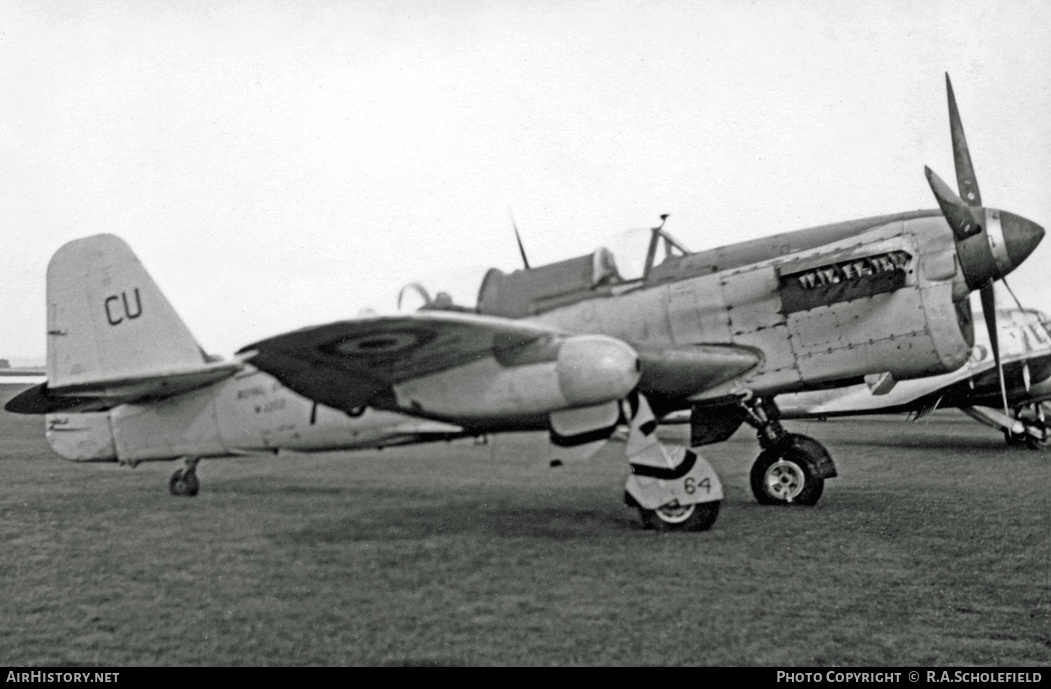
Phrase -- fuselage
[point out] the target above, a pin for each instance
(819, 306)
(822, 305)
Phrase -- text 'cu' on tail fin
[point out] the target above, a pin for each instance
(108, 321)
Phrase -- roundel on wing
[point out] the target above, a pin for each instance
(379, 343)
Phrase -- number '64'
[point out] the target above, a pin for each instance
(691, 485)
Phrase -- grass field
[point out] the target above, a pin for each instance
(932, 548)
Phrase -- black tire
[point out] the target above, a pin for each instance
(184, 483)
(1014, 440)
(1041, 443)
(783, 476)
(698, 516)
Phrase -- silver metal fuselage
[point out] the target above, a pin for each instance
(737, 295)
(245, 414)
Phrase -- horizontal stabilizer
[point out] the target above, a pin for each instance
(44, 399)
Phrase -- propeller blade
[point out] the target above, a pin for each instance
(961, 218)
(989, 311)
(985, 253)
(1026, 376)
(1012, 293)
(965, 177)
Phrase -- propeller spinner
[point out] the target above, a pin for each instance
(990, 243)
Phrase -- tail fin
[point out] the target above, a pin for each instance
(107, 320)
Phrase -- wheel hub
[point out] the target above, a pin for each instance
(674, 513)
(785, 480)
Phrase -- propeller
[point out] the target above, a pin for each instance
(989, 311)
(989, 243)
(1026, 375)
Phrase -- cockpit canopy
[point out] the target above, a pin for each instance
(632, 258)
(529, 292)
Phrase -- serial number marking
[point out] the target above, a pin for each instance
(270, 406)
(257, 391)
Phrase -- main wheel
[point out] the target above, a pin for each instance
(1014, 440)
(698, 516)
(184, 483)
(784, 477)
(1041, 443)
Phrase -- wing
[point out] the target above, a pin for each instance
(350, 364)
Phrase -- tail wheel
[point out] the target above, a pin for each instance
(784, 477)
(697, 516)
(184, 483)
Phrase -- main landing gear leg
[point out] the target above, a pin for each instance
(792, 468)
(184, 482)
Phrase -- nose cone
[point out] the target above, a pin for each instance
(1020, 236)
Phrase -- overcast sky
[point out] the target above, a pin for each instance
(282, 164)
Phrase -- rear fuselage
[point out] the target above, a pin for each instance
(247, 413)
